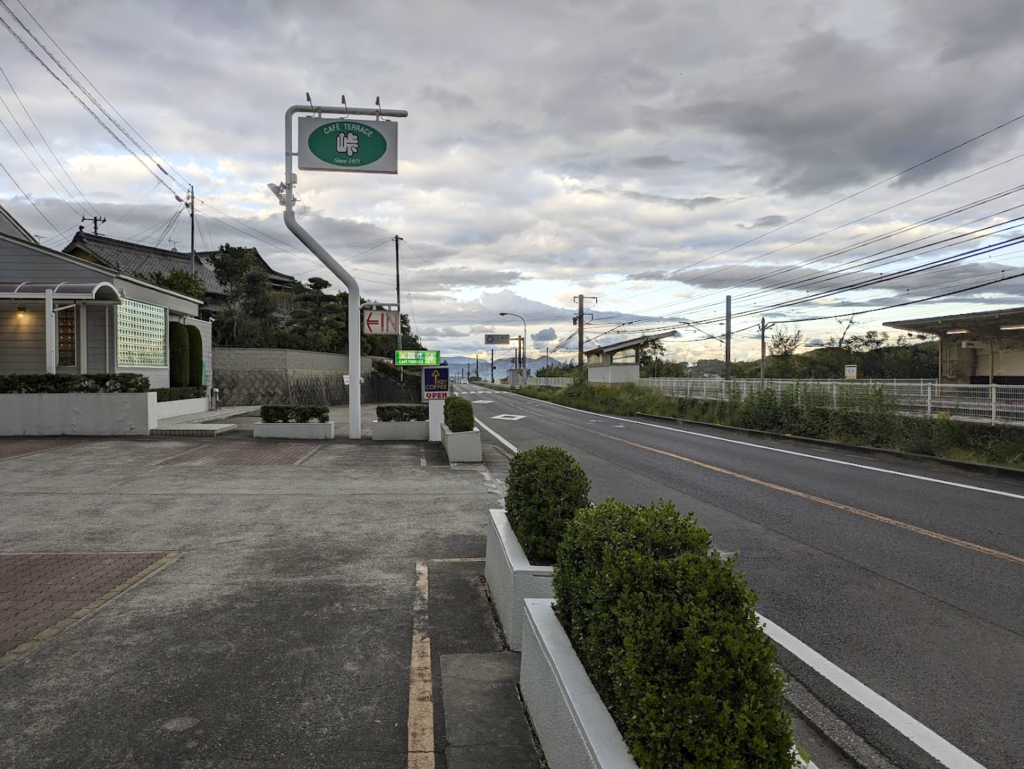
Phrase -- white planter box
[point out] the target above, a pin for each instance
(511, 577)
(401, 431)
(462, 447)
(303, 431)
(573, 725)
(181, 408)
(77, 413)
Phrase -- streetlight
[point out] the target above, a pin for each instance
(522, 357)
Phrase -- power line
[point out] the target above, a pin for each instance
(82, 103)
(31, 162)
(109, 103)
(24, 195)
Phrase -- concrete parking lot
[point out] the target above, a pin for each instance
(257, 607)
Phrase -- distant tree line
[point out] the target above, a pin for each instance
(256, 315)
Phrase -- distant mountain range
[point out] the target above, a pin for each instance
(459, 365)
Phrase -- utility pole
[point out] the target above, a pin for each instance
(192, 217)
(728, 337)
(579, 321)
(398, 293)
(492, 365)
(579, 331)
(763, 328)
(96, 222)
(477, 366)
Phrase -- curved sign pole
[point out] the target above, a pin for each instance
(354, 319)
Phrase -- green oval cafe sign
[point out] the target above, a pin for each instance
(348, 145)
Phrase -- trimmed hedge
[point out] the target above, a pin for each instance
(179, 355)
(164, 394)
(295, 413)
(195, 356)
(405, 413)
(73, 383)
(458, 414)
(667, 632)
(546, 488)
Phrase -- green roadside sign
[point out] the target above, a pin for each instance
(417, 357)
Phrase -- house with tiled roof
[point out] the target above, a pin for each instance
(138, 259)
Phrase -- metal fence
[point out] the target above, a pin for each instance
(976, 403)
(550, 381)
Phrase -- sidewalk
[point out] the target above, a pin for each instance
(284, 592)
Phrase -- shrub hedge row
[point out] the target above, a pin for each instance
(195, 356)
(179, 364)
(285, 413)
(416, 412)
(164, 394)
(73, 383)
(545, 488)
(667, 633)
(458, 414)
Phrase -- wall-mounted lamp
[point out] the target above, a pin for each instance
(958, 331)
(21, 312)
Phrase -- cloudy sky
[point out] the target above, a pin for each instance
(654, 155)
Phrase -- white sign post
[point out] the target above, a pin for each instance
(363, 154)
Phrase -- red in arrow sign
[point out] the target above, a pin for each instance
(371, 321)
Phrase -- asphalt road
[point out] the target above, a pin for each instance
(912, 585)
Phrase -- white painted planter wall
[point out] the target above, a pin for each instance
(77, 413)
(573, 725)
(180, 408)
(401, 431)
(462, 447)
(511, 578)
(302, 431)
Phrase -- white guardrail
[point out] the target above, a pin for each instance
(550, 381)
(995, 404)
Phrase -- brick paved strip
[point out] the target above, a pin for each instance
(246, 453)
(16, 447)
(43, 593)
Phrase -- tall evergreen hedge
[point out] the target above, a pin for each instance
(195, 356)
(179, 355)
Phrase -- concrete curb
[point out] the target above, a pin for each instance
(511, 577)
(572, 723)
(995, 471)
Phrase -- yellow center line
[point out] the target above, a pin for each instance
(803, 495)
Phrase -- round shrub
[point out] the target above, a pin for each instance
(195, 356)
(458, 414)
(667, 632)
(546, 487)
(179, 355)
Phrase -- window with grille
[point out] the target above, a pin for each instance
(66, 337)
(141, 334)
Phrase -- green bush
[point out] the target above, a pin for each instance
(164, 394)
(416, 412)
(285, 413)
(667, 632)
(458, 414)
(179, 355)
(73, 383)
(195, 356)
(546, 487)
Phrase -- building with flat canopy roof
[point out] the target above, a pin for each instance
(976, 347)
(619, 363)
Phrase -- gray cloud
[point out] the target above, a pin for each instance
(654, 162)
(547, 335)
(690, 203)
(774, 220)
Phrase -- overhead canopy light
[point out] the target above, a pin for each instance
(1012, 328)
(958, 331)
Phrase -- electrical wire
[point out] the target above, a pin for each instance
(24, 195)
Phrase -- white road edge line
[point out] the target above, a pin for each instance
(907, 725)
(507, 445)
(787, 451)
